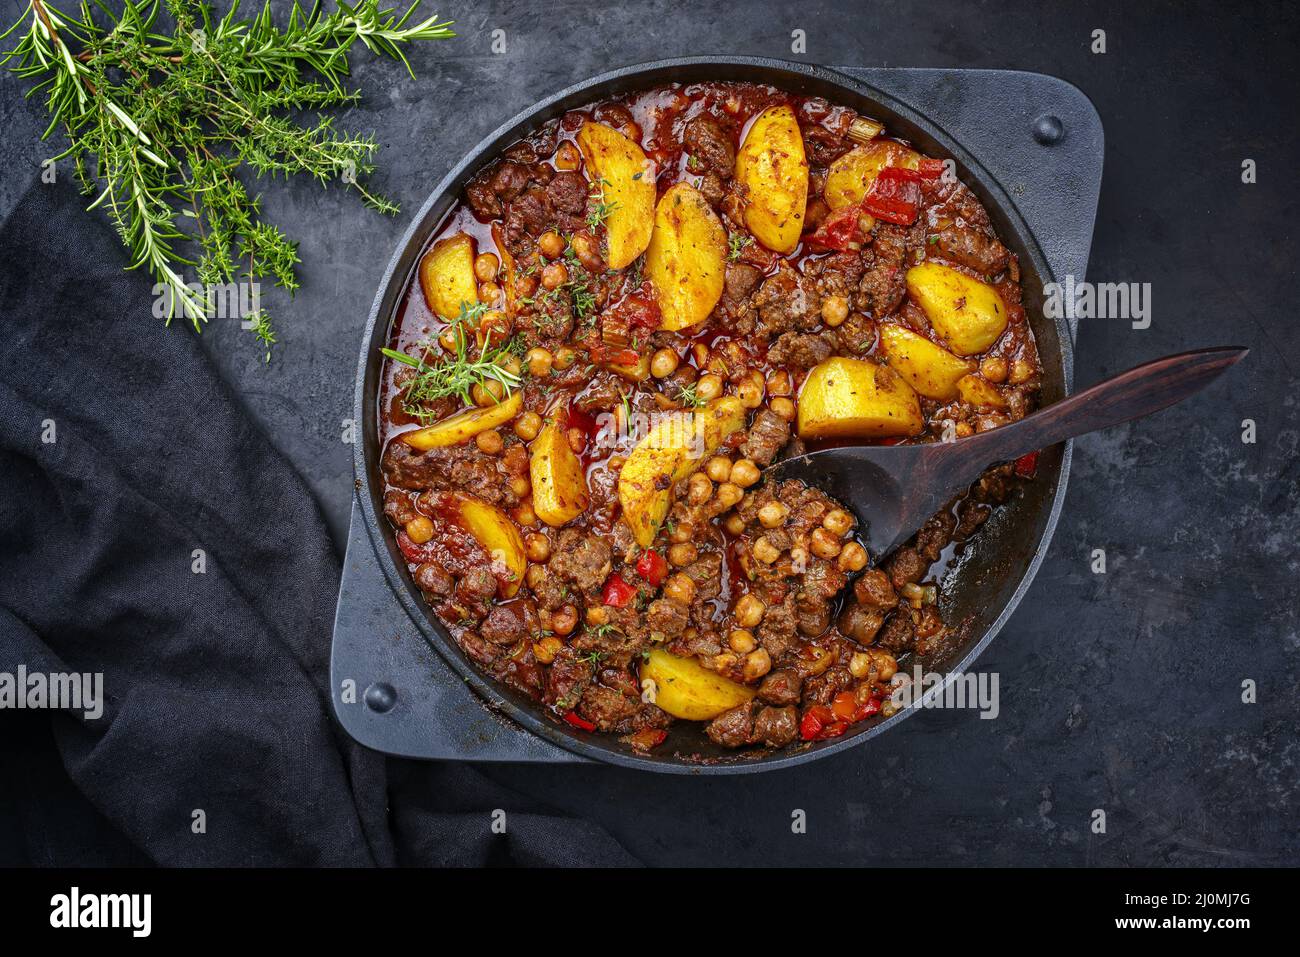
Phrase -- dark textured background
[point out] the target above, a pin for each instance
(1119, 691)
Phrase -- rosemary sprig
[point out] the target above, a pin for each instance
(458, 373)
(159, 123)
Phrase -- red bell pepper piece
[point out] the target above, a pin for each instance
(895, 196)
(617, 592)
(819, 723)
(578, 722)
(1027, 465)
(931, 168)
(653, 567)
(844, 705)
(867, 708)
(839, 229)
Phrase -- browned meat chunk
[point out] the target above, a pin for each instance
(581, 559)
(906, 566)
(860, 622)
(874, 588)
(707, 141)
(803, 350)
(767, 436)
(607, 708)
(667, 618)
(899, 634)
(568, 192)
(787, 300)
(457, 467)
(732, 729)
(776, 727)
(781, 687)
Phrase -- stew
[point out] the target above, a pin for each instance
(627, 316)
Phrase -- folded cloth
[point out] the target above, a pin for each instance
(151, 533)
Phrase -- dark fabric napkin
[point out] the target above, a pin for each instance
(216, 683)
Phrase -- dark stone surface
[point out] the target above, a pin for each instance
(1120, 691)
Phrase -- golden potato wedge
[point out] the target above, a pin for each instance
(447, 275)
(774, 170)
(687, 257)
(851, 176)
(674, 448)
(509, 275)
(979, 391)
(463, 426)
(687, 690)
(931, 370)
(967, 314)
(859, 399)
(559, 482)
(625, 177)
(500, 538)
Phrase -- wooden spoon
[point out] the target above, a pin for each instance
(894, 489)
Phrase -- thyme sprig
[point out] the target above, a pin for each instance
(158, 125)
(457, 373)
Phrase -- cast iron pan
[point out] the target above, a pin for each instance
(1000, 561)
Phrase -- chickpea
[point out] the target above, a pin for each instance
(860, 664)
(824, 544)
(838, 522)
(750, 390)
(709, 387)
(512, 364)
(886, 664)
(783, 407)
(487, 393)
(1021, 371)
(486, 266)
(577, 440)
(526, 286)
(567, 156)
(537, 547)
(853, 557)
(538, 361)
(664, 363)
(597, 615)
(546, 649)
(757, 663)
(778, 383)
(680, 587)
(994, 368)
(700, 489)
(489, 292)
(564, 357)
(565, 620)
(964, 429)
(835, 309)
(535, 576)
(772, 515)
(528, 425)
(419, 530)
(682, 532)
(489, 442)
(734, 524)
(682, 554)
(741, 641)
(723, 662)
(729, 494)
(587, 250)
(765, 551)
(524, 515)
(799, 559)
(551, 245)
(554, 276)
(520, 486)
(718, 468)
(447, 339)
(745, 473)
(749, 610)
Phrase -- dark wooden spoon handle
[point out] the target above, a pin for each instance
(1140, 391)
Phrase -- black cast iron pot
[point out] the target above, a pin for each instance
(1001, 560)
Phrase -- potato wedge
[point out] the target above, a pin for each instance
(559, 482)
(859, 399)
(979, 391)
(626, 178)
(774, 170)
(687, 257)
(687, 690)
(851, 176)
(509, 277)
(674, 448)
(500, 538)
(969, 315)
(447, 275)
(463, 426)
(931, 370)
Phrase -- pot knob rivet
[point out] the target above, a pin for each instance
(1049, 130)
(381, 696)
